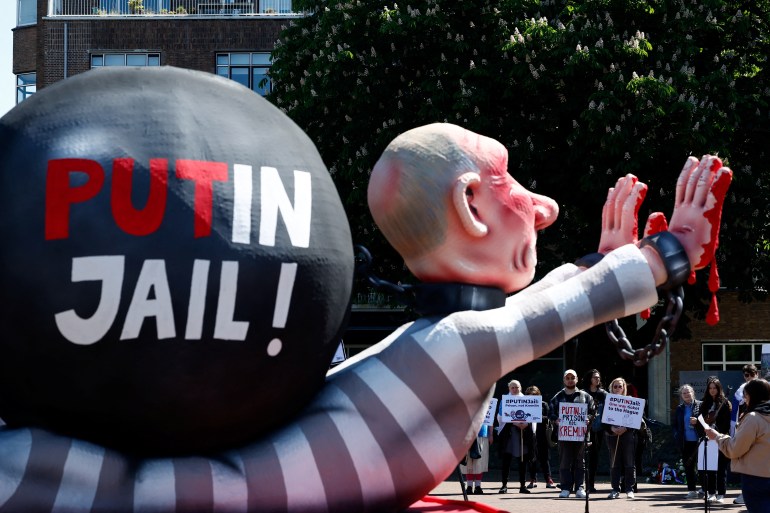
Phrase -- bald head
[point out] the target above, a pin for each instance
(410, 190)
(443, 198)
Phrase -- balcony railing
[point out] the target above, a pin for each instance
(170, 7)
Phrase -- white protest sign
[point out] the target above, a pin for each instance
(339, 355)
(623, 410)
(489, 418)
(711, 456)
(522, 408)
(573, 421)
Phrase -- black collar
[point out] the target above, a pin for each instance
(446, 298)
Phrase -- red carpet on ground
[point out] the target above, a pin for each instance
(436, 505)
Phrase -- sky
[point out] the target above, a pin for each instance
(7, 79)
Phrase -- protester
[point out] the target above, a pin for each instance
(474, 465)
(749, 449)
(594, 387)
(715, 409)
(542, 445)
(749, 372)
(516, 441)
(571, 469)
(686, 437)
(621, 442)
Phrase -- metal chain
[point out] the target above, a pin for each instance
(640, 357)
(666, 326)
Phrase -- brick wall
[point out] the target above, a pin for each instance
(738, 321)
(24, 49)
(185, 42)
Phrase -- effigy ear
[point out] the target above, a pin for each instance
(465, 210)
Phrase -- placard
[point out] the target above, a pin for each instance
(623, 410)
(489, 418)
(712, 455)
(522, 408)
(339, 355)
(573, 421)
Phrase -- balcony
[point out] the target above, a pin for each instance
(146, 8)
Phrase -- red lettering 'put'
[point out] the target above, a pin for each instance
(59, 195)
(203, 174)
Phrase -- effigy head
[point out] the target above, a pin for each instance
(176, 267)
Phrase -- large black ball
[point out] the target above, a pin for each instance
(176, 264)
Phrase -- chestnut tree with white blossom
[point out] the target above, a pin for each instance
(580, 92)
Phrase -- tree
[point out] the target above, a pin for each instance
(580, 92)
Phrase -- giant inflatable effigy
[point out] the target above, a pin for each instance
(176, 275)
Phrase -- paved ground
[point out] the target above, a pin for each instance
(651, 498)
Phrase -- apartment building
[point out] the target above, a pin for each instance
(55, 39)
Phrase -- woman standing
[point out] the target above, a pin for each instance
(594, 388)
(516, 441)
(542, 446)
(621, 442)
(715, 409)
(686, 436)
(749, 449)
(473, 469)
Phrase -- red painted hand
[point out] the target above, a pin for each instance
(620, 214)
(700, 194)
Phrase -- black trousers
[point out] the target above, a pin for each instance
(716, 482)
(506, 460)
(593, 456)
(690, 460)
(543, 461)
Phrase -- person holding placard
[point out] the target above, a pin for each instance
(568, 404)
(621, 442)
(715, 409)
(516, 441)
(749, 449)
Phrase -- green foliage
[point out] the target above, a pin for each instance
(580, 92)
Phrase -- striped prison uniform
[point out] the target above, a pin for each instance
(388, 426)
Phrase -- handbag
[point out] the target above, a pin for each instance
(475, 451)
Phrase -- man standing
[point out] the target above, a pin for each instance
(571, 465)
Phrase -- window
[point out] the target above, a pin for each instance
(248, 69)
(26, 12)
(26, 86)
(99, 60)
(731, 355)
